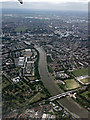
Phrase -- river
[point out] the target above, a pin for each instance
(54, 89)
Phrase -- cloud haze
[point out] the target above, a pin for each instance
(52, 1)
(80, 5)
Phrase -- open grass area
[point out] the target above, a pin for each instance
(20, 29)
(71, 84)
(31, 78)
(80, 72)
(83, 98)
(5, 82)
(37, 97)
(0, 88)
(85, 80)
(86, 95)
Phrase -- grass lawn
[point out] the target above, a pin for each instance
(31, 78)
(86, 80)
(20, 29)
(0, 86)
(37, 97)
(80, 72)
(71, 84)
(4, 82)
(86, 95)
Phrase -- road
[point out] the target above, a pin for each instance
(68, 93)
(54, 89)
(60, 95)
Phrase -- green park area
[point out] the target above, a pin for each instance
(86, 95)
(71, 84)
(83, 98)
(21, 29)
(21, 94)
(5, 82)
(85, 80)
(37, 97)
(0, 84)
(31, 78)
(80, 72)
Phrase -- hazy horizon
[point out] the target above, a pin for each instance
(67, 6)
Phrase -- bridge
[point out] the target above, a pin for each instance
(61, 95)
(65, 94)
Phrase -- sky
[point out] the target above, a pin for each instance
(55, 1)
(75, 5)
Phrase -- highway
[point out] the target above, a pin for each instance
(54, 89)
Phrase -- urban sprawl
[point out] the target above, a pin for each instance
(39, 51)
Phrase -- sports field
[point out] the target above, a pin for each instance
(71, 84)
(85, 80)
(80, 72)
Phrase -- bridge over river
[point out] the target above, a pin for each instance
(54, 89)
(60, 95)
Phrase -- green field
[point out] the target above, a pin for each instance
(37, 97)
(80, 72)
(86, 80)
(71, 84)
(31, 78)
(86, 95)
(5, 82)
(0, 84)
(20, 29)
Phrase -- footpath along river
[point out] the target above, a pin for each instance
(54, 89)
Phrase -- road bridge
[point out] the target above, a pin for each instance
(61, 95)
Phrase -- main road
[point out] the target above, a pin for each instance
(54, 89)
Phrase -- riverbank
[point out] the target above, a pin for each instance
(53, 88)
